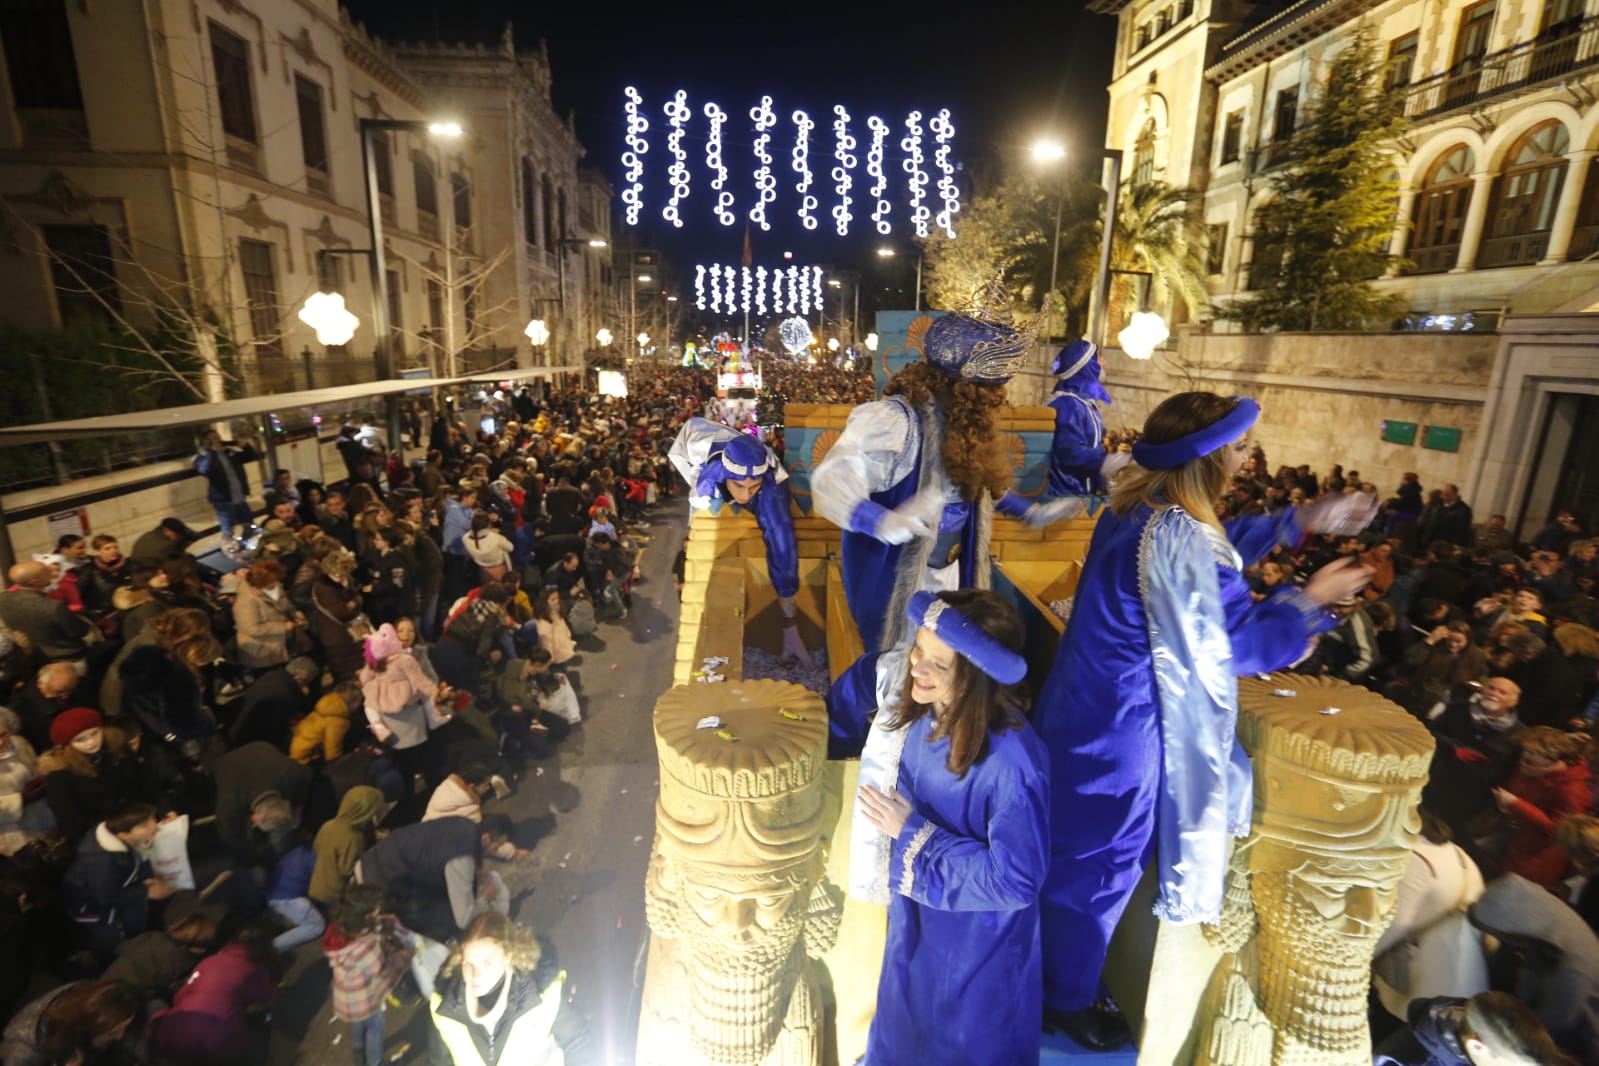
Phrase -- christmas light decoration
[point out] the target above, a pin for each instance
(874, 169)
(802, 166)
(633, 158)
(816, 286)
(713, 160)
(765, 182)
(746, 281)
(760, 290)
(911, 145)
(716, 289)
(795, 301)
(677, 113)
(943, 133)
(844, 154)
(699, 286)
(730, 293)
(795, 335)
(777, 291)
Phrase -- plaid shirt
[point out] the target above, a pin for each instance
(365, 969)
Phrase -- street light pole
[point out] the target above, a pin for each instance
(1101, 310)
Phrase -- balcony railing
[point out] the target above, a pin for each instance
(1435, 260)
(1554, 53)
(1518, 250)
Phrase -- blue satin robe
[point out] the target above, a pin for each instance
(962, 969)
(1103, 711)
(1077, 451)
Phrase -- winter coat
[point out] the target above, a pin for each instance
(165, 696)
(82, 790)
(336, 606)
(21, 818)
(259, 621)
(453, 799)
(243, 776)
(105, 885)
(138, 607)
(320, 735)
(208, 1020)
(23, 1044)
(488, 549)
(399, 701)
(1541, 802)
(555, 637)
(365, 968)
(267, 710)
(340, 843)
(537, 1020)
(56, 633)
(153, 963)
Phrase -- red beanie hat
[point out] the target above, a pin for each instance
(69, 724)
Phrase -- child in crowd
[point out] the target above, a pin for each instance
(368, 951)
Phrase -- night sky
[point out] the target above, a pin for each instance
(1008, 76)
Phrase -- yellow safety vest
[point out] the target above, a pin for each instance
(529, 1043)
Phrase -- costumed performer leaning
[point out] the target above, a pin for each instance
(1139, 710)
(722, 464)
(1078, 462)
(968, 817)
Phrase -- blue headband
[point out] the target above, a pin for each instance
(968, 639)
(1218, 434)
(745, 457)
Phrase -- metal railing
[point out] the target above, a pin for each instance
(1554, 53)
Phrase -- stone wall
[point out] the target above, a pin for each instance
(1325, 396)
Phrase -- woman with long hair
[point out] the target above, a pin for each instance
(1140, 707)
(500, 999)
(76, 1023)
(966, 815)
(267, 622)
(337, 603)
(488, 548)
(555, 635)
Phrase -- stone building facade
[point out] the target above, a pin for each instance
(204, 152)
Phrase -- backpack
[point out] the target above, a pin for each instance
(580, 619)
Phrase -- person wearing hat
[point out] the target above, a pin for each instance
(1078, 462)
(90, 771)
(1140, 705)
(913, 478)
(166, 541)
(966, 824)
(722, 465)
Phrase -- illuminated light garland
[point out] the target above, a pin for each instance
(943, 133)
(633, 158)
(844, 154)
(716, 290)
(777, 291)
(760, 290)
(677, 113)
(730, 294)
(802, 166)
(911, 144)
(765, 181)
(699, 286)
(795, 300)
(745, 283)
(874, 169)
(816, 286)
(714, 161)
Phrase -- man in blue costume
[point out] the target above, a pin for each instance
(722, 465)
(1140, 707)
(968, 817)
(1078, 462)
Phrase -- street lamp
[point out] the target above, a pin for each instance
(1047, 152)
(325, 312)
(382, 353)
(643, 340)
(537, 332)
(887, 252)
(604, 337)
(871, 342)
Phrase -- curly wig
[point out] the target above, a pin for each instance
(973, 456)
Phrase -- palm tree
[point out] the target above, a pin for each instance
(1158, 233)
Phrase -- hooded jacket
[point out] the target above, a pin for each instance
(340, 842)
(320, 734)
(537, 1028)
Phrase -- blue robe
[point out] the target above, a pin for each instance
(1077, 451)
(1105, 707)
(961, 971)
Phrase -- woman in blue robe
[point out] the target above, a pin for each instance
(968, 822)
(1140, 707)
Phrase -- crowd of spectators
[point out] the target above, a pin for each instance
(1492, 642)
(204, 770)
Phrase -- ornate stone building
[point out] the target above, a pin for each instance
(204, 152)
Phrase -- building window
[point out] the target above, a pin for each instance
(1287, 114)
(261, 292)
(38, 50)
(396, 320)
(530, 200)
(1163, 22)
(1216, 248)
(1185, 9)
(562, 220)
(435, 330)
(1401, 61)
(1141, 39)
(231, 58)
(1471, 44)
(1232, 136)
(427, 189)
(382, 163)
(1441, 206)
(329, 278)
(83, 272)
(550, 233)
(462, 194)
(313, 135)
(1144, 154)
(1525, 197)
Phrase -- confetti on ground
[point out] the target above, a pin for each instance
(624, 792)
(616, 666)
(760, 665)
(637, 839)
(336, 1038)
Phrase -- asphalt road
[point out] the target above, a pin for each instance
(588, 812)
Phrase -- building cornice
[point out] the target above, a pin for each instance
(1299, 24)
(368, 54)
(1108, 7)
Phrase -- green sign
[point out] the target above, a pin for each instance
(1398, 432)
(1441, 438)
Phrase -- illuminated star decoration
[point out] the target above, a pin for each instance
(795, 335)
(925, 207)
(677, 113)
(844, 154)
(713, 161)
(633, 158)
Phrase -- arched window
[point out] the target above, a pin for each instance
(1441, 205)
(1525, 197)
(1144, 154)
(530, 203)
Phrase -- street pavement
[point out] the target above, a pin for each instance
(588, 812)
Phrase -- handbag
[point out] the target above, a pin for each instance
(358, 627)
